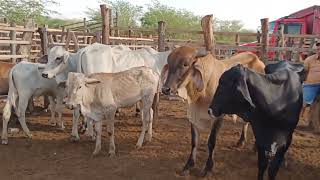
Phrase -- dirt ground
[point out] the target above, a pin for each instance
(51, 155)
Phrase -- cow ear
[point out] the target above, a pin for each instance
(197, 76)
(200, 52)
(243, 88)
(43, 59)
(90, 81)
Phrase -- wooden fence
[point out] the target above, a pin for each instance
(15, 41)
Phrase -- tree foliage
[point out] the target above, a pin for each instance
(128, 14)
(21, 10)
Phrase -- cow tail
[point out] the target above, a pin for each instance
(156, 101)
(12, 96)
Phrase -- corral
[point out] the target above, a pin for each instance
(51, 155)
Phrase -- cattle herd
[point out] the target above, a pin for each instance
(99, 80)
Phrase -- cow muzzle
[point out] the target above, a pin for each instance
(45, 75)
(210, 112)
(214, 113)
(166, 90)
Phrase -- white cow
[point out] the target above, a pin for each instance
(101, 94)
(25, 82)
(99, 58)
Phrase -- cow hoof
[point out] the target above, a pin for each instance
(112, 154)
(138, 146)
(4, 141)
(53, 124)
(240, 143)
(206, 173)
(74, 139)
(184, 173)
(95, 152)
(29, 135)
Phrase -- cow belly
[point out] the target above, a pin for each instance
(4, 86)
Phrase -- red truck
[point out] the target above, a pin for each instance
(305, 21)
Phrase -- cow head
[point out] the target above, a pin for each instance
(232, 95)
(183, 68)
(76, 86)
(57, 62)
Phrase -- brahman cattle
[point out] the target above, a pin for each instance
(4, 74)
(99, 95)
(198, 72)
(26, 82)
(271, 103)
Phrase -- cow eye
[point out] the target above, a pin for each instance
(79, 87)
(185, 65)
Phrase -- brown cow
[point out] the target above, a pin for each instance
(4, 74)
(199, 72)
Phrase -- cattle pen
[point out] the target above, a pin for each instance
(51, 155)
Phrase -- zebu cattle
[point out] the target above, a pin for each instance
(100, 58)
(99, 95)
(25, 82)
(271, 103)
(199, 72)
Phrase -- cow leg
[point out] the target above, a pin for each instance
(243, 137)
(110, 130)
(145, 118)
(149, 134)
(98, 130)
(211, 144)
(194, 146)
(277, 160)
(59, 110)
(90, 132)
(138, 108)
(23, 104)
(155, 107)
(52, 107)
(6, 118)
(74, 134)
(262, 162)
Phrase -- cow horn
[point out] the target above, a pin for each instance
(201, 52)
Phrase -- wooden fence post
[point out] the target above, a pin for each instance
(63, 36)
(161, 35)
(44, 40)
(207, 27)
(105, 24)
(85, 29)
(264, 39)
(237, 39)
(280, 41)
(75, 41)
(13, 47)
(68, 40)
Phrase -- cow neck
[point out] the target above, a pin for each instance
(207, 66)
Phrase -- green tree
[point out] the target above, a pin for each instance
(174, 18)
(21, 10)
(128, 14)
(230, 26)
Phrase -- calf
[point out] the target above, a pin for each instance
(99, 95)
(26, 82)
(270, 103)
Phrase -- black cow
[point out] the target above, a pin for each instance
(271, 103)
(284, 64)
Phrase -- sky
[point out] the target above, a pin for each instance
(248, 11)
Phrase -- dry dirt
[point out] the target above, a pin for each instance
(50, 154)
